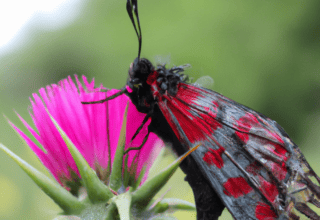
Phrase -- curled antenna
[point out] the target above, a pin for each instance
(132, 6)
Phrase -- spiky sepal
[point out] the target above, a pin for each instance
(120, 199)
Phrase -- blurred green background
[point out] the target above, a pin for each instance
(263, 54)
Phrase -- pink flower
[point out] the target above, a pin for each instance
(94, 129)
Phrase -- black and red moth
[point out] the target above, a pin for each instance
(246, 161)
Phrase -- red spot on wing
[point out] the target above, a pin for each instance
(250, 124)
(254, 168)
(246, 122)
(264, 212)
(196, 124)
(280, 151)
(236, 187)
(244, 125)
(243, 136)
(279, 171)
(277, 164)
(269, 189)
(214, 157)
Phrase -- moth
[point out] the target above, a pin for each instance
(246, 161)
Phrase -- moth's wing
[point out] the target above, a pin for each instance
(192, 127)
(267, 142)
(246, 156)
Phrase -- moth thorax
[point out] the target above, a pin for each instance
(169, 79)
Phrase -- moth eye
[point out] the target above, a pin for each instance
(136, 81)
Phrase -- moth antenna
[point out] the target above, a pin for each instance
(132, 9)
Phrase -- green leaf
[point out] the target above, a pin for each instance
(57, 193)
(116, 173)
(147, 191)
(123, 202)
(97, 190)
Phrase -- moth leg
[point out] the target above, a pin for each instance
(140, 127)
(123, 90)
(138, 148)
(137, 132)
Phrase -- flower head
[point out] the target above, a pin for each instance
(83, 147)
(94, 129)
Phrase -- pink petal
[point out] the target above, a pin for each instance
(94, 128)
(51, 165)
(52, 141)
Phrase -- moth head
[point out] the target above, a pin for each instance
(138, 72)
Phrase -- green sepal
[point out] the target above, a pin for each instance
(97, 190)
(160, 208)
(149, 189)
(116, 173)
(62, 197)
(123, 203)
(96, 211)
(140, 177)
(112, 212)
(31, 137)
(126, 174)
(173, 204)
